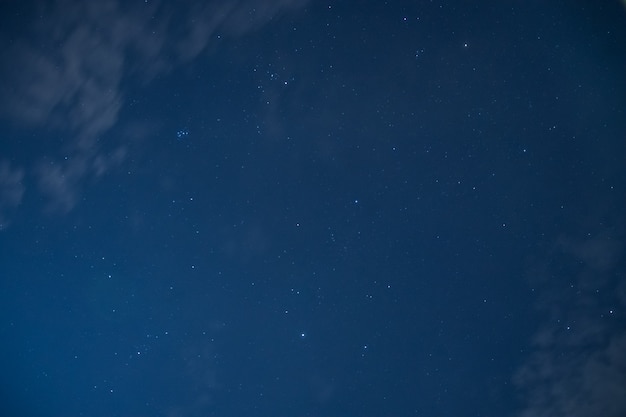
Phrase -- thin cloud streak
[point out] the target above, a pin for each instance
(11, 189)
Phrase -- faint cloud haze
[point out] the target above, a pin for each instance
(577, 366)
(67, 69)
(11, 189)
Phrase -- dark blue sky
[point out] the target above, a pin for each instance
(302, 208)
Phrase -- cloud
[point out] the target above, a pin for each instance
(577, 365)
(60, 180)
(11, 189)
(251, 15)
(68, 68)
(66, 74)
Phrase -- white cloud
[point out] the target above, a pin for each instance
(66, 71)
(577, 366)
(11, 189)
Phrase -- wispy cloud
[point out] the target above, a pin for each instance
(11, 189)
(577, 366)
(67, 70)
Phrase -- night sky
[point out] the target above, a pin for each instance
(292, 208)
